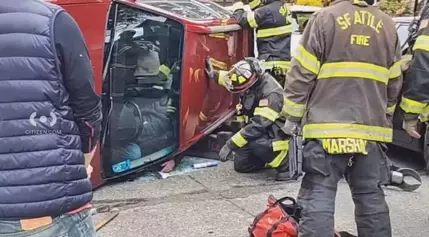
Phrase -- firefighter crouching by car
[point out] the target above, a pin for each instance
(343, 83)
(273, 22)
(415, 98)
(260, 143)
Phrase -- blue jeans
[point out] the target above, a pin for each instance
(76, 225)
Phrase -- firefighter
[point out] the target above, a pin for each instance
(273, 22)
(342, 88)
(260, 143)
(415, 98)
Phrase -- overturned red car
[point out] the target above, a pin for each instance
(148, 57)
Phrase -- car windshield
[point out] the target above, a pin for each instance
(300, 20)
(402, 29)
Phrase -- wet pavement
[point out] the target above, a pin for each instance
(219, 202)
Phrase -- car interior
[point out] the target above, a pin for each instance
(141, 89)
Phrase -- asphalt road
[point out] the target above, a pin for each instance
(217, 202)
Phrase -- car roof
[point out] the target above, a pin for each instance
(294, 8)
(192, 10)
(405, 19)
(299, 8)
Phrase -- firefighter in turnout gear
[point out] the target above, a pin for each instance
(260, 143)
(415, 99)
(342, 89)
(273, 22)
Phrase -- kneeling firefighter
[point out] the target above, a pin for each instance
(273, 22)
(260, 143)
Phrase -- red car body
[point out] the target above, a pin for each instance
(204, 105)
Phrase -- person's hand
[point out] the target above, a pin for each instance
(209, 68)
(89, 156)
(168, 166)
(406, 62)
(225, 153)
(411, 127)
(89, 170)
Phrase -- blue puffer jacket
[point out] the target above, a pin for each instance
(42, 169)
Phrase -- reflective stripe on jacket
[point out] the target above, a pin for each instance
(262, 104)
(415, 98)
(345, 77)
(274, 28)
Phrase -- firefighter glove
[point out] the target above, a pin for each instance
(209, 69)
(290, 127)
(411, 127)
(237, 6)
(225, 153)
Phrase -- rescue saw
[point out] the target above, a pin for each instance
(397, 178)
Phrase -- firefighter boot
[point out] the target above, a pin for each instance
(283, 171)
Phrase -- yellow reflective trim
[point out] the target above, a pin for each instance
(219, 35)
(293, 109)
(254, 4)
(241, 79)
(307, 60)
(354, 70)
(412, 106)
(171, 109)
(221, 78)
(240, 118)
(391, 109)
(251, 19)
(234, 77)
(203, 117)
(281, 64)
(218, 64)
(281, 145)
(267, 113)
(344, 145)
(158, 87)
(347, 130)
(239, 140)
(278, 159)
(276, 31)
(395, 71)
(165, 70)
(422, 42)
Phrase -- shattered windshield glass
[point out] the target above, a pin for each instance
(192, 10)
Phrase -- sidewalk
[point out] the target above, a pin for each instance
(219, 202)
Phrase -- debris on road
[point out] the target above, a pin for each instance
(112, 215)
(187, 164)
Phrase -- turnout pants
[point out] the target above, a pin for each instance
(256, 155)
(319, 188)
